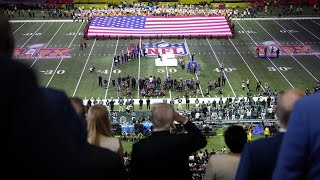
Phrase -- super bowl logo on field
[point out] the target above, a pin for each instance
(153, 49)
(285, 49)
(41, 51)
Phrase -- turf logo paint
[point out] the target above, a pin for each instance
(153, 49)
(40, 51)
(299, 50)
(285, 49)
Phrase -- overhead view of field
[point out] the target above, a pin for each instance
(60, 63)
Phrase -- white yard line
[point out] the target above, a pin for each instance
(307, 30)
(315, 22)
(32, 36)
(276, 18)
(110, 72)
(293, 56)
(190, 58)
(138, 95)
(41, 21)
(219, 66)
(18, 28)
(84, 68)
(310, 33)
(287, 31)
(168, 76)
(279, 43)
(47, 44)
(267, 57)
(63, 58)
(245, 62)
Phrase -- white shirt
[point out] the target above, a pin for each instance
(282, 130)
(200, 155)
(197, 115)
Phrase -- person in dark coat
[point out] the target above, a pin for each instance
(278, 52)
(42, 142)
(164, 155)
(255, 166)
(100, 80)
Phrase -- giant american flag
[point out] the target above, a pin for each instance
(137, 26)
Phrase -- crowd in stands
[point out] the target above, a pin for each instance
(228, 109)
(81, 14)
(232, 109)
(153, 9)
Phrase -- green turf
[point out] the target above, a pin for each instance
(72, 76)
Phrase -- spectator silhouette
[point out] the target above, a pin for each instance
(260, 165)
(299, 156)
(224, 166)
(163, 155)
(99, 130)
(77, 104)
(37, 143)
(61, 106)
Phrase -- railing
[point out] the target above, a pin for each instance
(248, 121)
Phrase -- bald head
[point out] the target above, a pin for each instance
(286, 103)
(162, 116)
(6, 39)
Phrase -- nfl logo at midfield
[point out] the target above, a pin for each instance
(153, 49)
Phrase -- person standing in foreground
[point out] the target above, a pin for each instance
(164, 155)
(299, 156)
(224, 166)
(41, 149)
(99, 130)
(255, 166)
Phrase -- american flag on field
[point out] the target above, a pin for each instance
(138, 26)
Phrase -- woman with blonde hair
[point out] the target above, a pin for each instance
(99, 130)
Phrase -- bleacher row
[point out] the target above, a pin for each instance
(295, 2)
(119, 1)
(102, 3)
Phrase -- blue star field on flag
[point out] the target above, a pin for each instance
(131, 22)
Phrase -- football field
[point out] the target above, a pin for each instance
(52, 50)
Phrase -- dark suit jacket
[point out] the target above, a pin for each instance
(258, 158)
(37, 143)
(299, 156)
(164, 155)
(61, 106)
